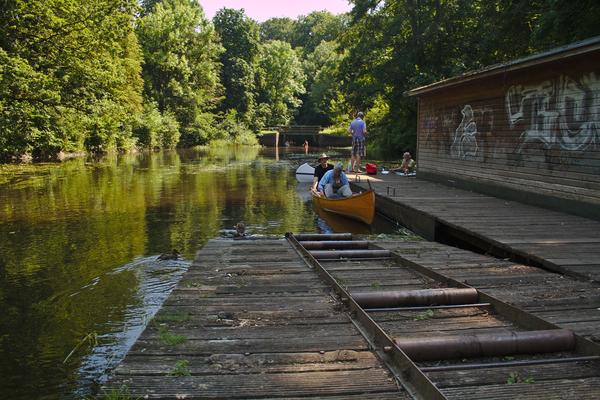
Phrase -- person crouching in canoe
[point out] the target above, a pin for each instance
(320, 170)
(335, 183)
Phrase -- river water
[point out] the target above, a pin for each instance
(80, 275)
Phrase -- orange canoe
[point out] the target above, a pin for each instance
(360, 206)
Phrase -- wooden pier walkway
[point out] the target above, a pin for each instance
(557, 241)
(567, 302)
(249, 319)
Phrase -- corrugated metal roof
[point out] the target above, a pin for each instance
(569, 50)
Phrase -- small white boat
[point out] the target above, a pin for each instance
(305, 173)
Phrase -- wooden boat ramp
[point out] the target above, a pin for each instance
(336, 317)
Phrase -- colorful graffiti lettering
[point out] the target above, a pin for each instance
(563, 113)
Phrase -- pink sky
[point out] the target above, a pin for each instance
(261, 10)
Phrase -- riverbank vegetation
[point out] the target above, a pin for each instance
(120, 74)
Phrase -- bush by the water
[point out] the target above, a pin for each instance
(155, 130)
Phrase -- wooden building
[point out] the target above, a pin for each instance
(527, 130)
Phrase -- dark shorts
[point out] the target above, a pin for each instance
(358, 147)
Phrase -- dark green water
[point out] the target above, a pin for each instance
(79, 246)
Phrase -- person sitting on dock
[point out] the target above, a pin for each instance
(408, 164)
(320, 170)
(335, 183)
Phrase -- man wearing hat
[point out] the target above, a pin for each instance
(320, 170)
(335, 183)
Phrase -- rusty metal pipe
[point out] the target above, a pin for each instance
(337, 254)
(336, 244)
(316, 236)
(423, 297)
(421, 308)
(487, 345)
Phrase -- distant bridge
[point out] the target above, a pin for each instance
(295, 135)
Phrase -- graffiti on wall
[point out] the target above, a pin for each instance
(471, 133)
(549, 123)
(563, 113)
(429, 126)
(465, 142)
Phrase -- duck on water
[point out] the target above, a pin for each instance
(173, 255)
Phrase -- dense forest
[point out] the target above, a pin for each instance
(106, 75)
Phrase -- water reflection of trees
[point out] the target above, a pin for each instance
(64, 225)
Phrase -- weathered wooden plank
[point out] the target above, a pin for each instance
(245, 289)
(495, 281)
(447, 313)
(438, 327)
(388, 395)
(370, 381)
(227, 317)
(500, 376)
(331, 342)
(248, 331)
(249, 279)
(252, 363)
(251, 269)
(581, 389)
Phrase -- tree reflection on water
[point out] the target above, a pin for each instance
(80, 242)
(79, 245)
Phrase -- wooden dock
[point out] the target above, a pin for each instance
(249, 319)
(252, 319)
(567, 302)
(562, 301)
(557, 241)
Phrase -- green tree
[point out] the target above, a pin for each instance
(496, 31)
(306, 35)
(155, 130)
(70, 76)
(310, 30)
(240, 38)
(181, 69)
(396, 45)
(148, 5)
(280, 82)
(277, 29)
(564, 21)
(320, 101)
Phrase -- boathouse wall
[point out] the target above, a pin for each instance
(528, 131)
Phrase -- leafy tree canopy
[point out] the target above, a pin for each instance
(70, 76)
(181, 69)
(240, 37)
(280, 81)
(100, 75)
(277, 29)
